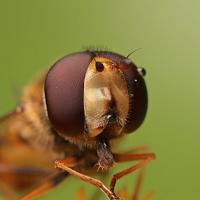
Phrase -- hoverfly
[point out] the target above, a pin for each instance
(67, 119)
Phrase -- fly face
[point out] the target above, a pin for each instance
(106, 98)
(95, 93)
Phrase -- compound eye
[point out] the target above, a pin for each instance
(138, 97)
(99, 66)
(64, 91)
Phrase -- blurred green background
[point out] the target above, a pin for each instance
(34, 34)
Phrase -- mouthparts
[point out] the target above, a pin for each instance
(106, 159)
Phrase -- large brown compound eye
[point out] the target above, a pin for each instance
(137, 96)
(64, 87)
(137, 91)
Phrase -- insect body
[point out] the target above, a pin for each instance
(72, 113)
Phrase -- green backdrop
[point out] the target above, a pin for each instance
(34, 34)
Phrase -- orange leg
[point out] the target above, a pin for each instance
(118, 158)
(97, 183)
(81, 195)
(123, 192)
(148, 196)
(6, 169)
(135, 195)
(51, 183)
(138, 184)
(146, 158)
(45, 187)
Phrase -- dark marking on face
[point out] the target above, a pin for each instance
(99, 66)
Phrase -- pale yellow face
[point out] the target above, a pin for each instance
(105, 96)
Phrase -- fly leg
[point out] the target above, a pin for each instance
(95, 182)
(146, 158)
(139, 180)
(148, 196)
(52, 181)
(135, 195)
(7, 170)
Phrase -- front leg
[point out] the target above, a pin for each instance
(146, 158)
(97, 183)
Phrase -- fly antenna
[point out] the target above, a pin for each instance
(133, 51)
